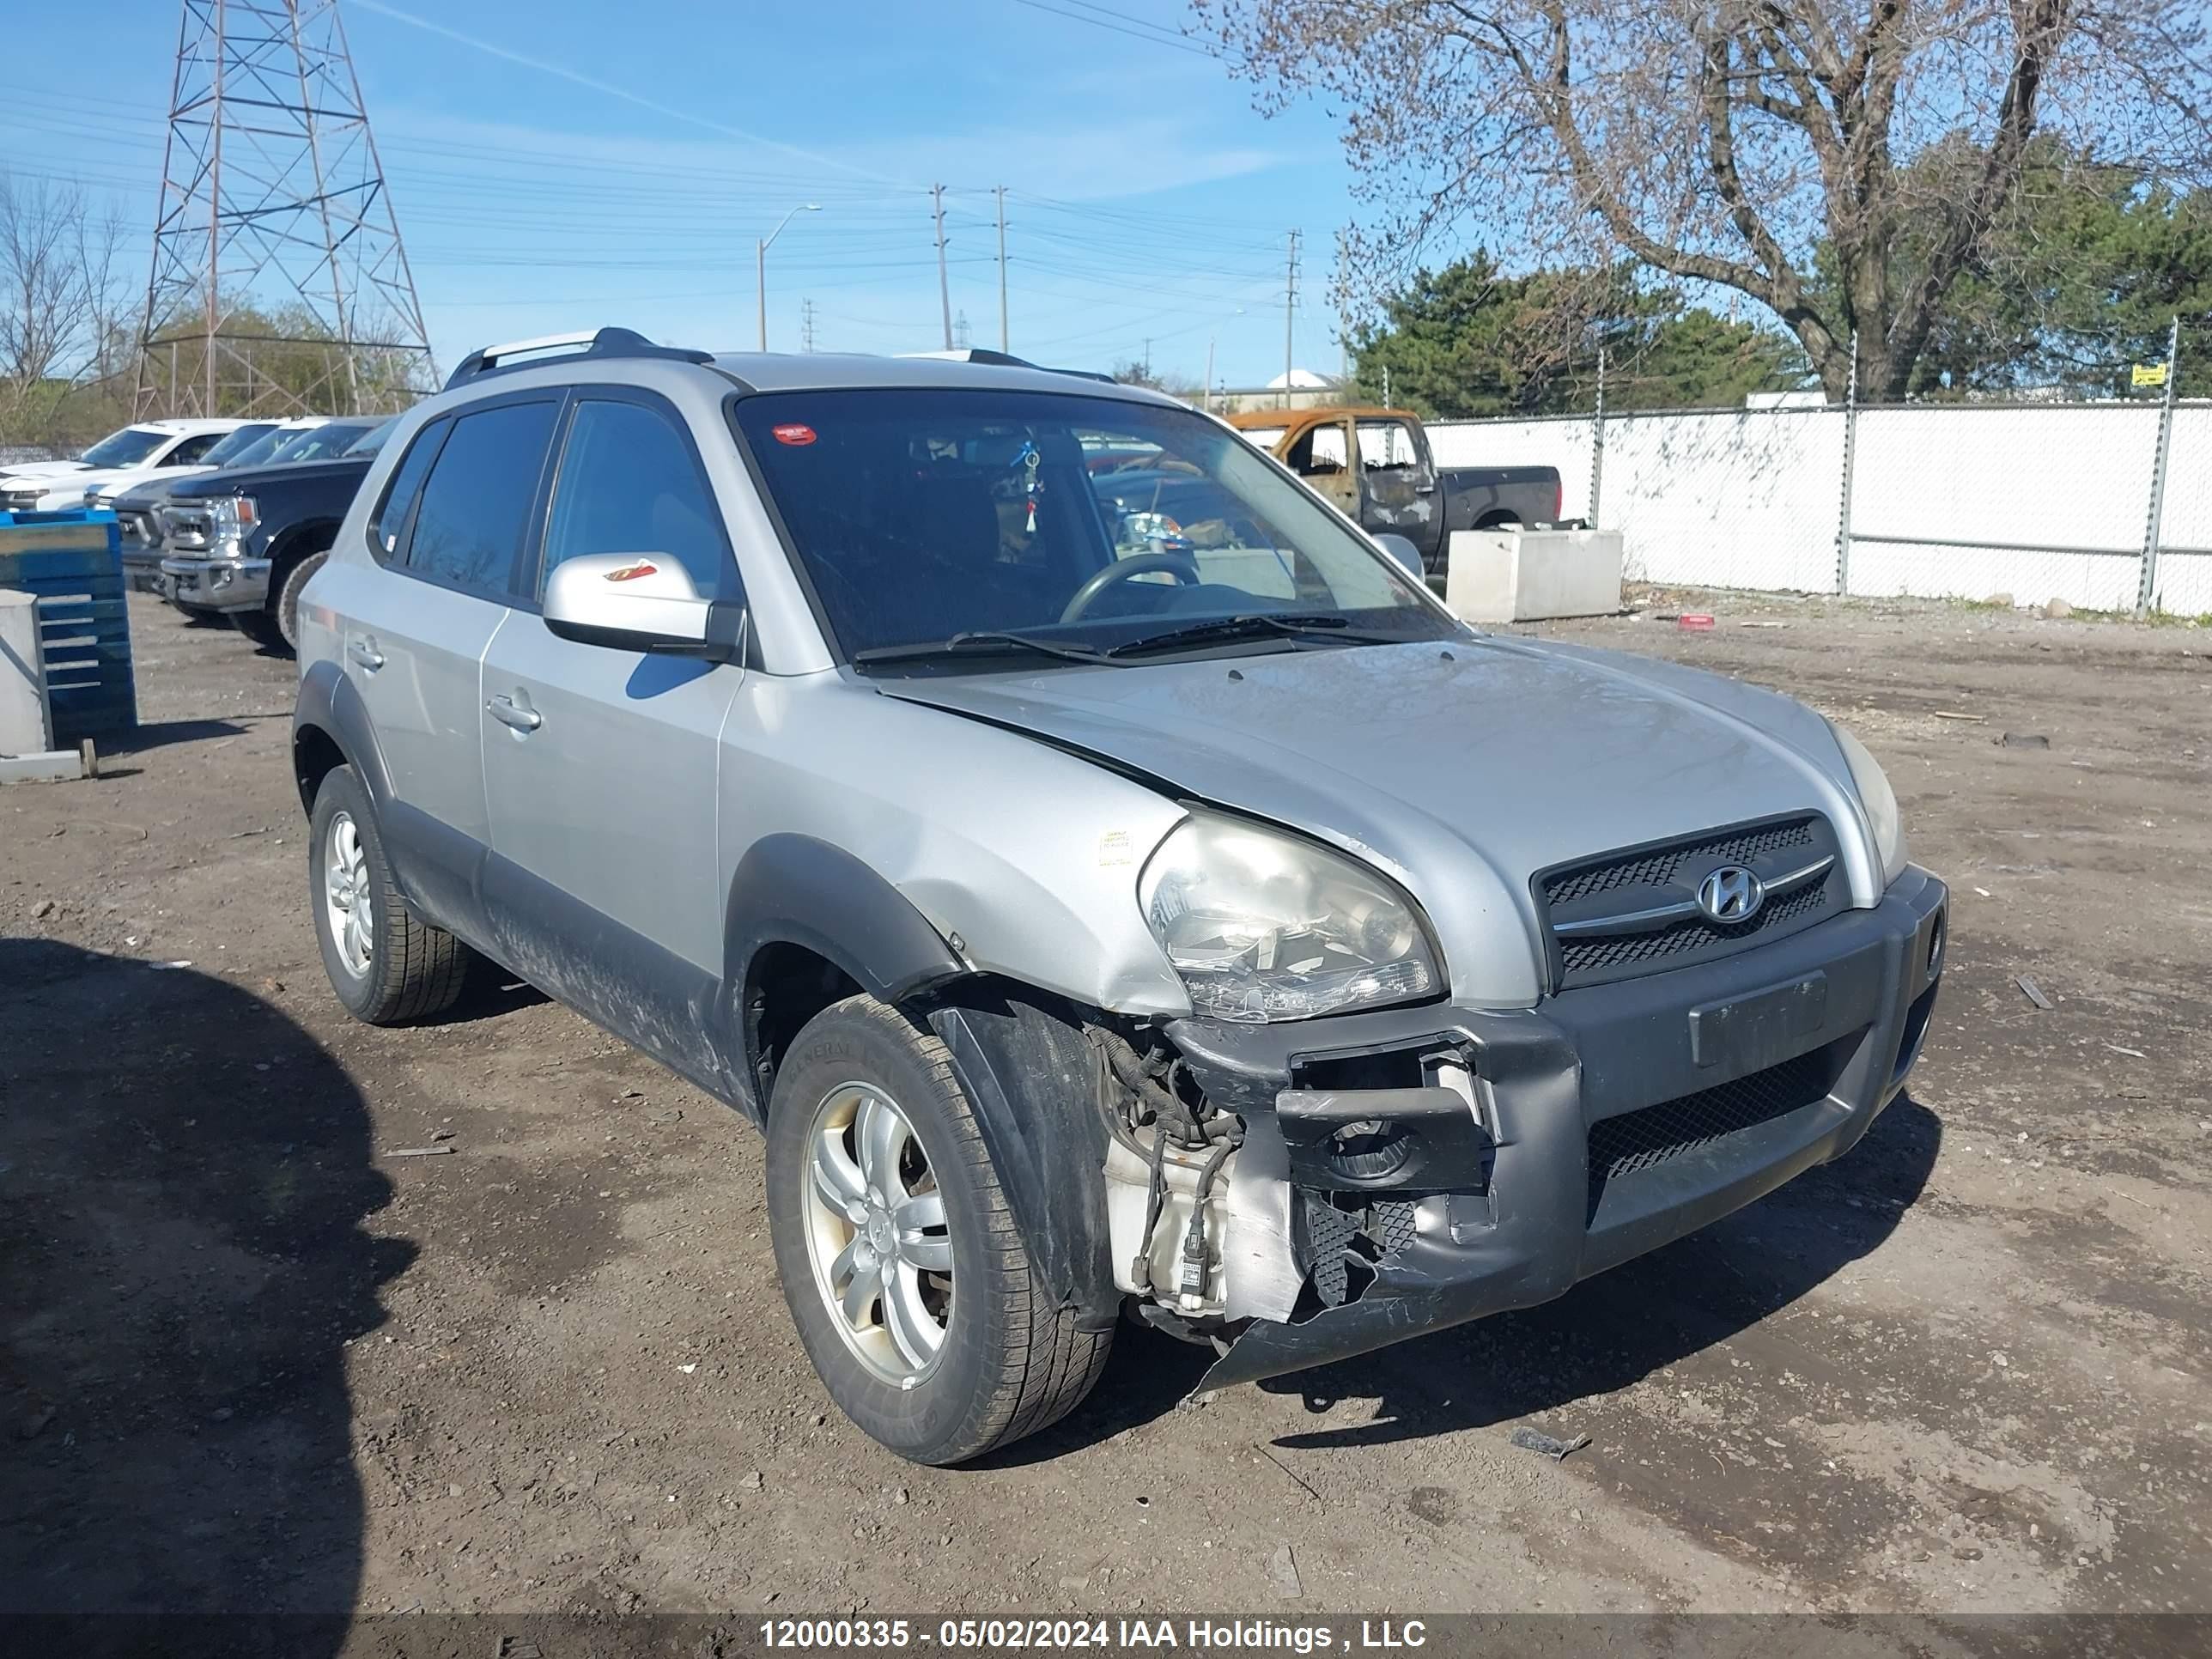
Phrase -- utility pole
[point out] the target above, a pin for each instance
(943, 288)
(961, 335)
(1005, 340)
(806, 326)
(1289, 315)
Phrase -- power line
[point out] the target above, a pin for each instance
(1101, 23)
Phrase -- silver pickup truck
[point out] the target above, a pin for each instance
(1199, 925)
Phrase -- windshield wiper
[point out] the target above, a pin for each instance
(978, 643)
(1281, 625)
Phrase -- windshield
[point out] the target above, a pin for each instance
(319, 443)
(1265, 436)
(270, 440)
(373, 439)
(233, 445)
(1088, 524)
(125, 448)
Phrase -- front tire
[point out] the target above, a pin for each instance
(385, 964)
(905, 1272)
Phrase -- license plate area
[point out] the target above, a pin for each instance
(1764, 1028)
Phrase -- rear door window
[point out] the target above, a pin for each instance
(476, 502)
(188, 453)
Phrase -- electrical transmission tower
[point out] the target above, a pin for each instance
(279, 285)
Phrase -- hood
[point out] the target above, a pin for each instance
(246, 480)
(150, 492)
(40, 470)
(1460, 767)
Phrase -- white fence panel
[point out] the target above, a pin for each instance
(2042, 489)
(2185, 564)
(1965, 501)
(1744, 498)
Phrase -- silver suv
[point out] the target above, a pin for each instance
(1111, 880)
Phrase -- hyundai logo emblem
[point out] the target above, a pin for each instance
(1730, 894)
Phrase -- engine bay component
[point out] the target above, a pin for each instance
(1167, 1190)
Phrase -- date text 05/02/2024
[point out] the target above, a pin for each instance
(1232, 1636)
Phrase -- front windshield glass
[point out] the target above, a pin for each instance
(274, 438)
(373, 439)
(233, 445)
(319, 443)
(1086, 525)
(125, 448)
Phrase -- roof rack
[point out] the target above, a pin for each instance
(596, 343)
(1003, 360)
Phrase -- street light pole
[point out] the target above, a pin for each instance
(760, 263)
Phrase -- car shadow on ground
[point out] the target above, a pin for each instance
(1603, 1335)
(154, 734)
(184, 1179)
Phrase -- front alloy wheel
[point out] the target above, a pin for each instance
(875, 1233)
(906, 1272)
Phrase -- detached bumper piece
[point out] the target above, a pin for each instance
(1605, 1122)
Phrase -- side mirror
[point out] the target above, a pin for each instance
(641, 602)
(1403, 551)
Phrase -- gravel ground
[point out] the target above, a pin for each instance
(251, 1358)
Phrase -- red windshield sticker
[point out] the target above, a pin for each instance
(630, 573)
(791, 432)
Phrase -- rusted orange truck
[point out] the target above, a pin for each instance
(1377, 465)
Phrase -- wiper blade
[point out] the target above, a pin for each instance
(979, 643)
(1282, 624)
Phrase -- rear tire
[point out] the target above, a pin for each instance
(385, 964)
(1002, 1359)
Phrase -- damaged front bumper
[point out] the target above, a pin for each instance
(1503, 1156)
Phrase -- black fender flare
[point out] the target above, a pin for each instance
(330, 704)
(797, 889)
(1035, 1084)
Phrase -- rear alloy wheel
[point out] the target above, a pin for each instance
(904, 1269)
(386, 964)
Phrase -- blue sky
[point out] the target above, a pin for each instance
(564, 163)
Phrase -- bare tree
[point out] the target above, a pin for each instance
(60, 299)
(1760, 145)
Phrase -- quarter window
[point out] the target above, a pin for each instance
(629, 483)
(477, 499)
(391, 521)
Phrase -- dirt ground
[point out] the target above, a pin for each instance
(251, 1357)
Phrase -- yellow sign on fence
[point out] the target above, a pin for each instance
(2150, 375)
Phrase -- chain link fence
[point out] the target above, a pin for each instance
(2105, 504)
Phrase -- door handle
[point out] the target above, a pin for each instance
(365, 653)
(507, 711)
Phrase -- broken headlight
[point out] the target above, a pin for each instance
(1262, 926)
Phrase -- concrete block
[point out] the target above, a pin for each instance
(1525, 576)
(25, 724)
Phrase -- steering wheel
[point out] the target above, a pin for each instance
(1181, 566)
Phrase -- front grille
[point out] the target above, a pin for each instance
(1658, 868)
(1596, 911)
(1593, 956)
(1643, 1139)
